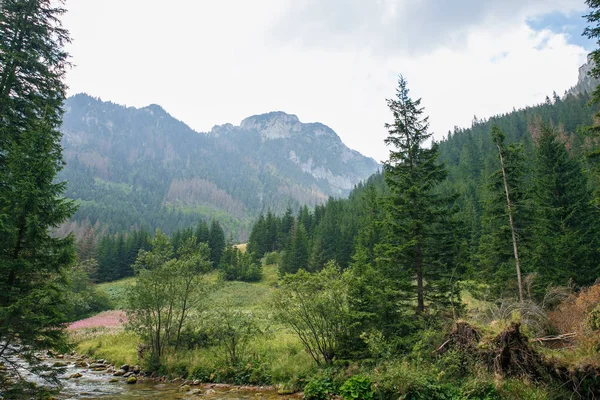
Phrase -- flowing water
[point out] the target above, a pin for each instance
(98, 385)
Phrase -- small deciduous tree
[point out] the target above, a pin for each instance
(316, 307)
(232, 330)
(165, 291)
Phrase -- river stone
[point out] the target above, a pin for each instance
(75, 375)
(210, 392)
(59, 364)
(120, 372)
(113, 380)
(196, 392)
(125, 367)
(127, 374)
(283, 389)
(101, 361)
(131, 380)
(97, 365)
(195, 382)
(184, 388)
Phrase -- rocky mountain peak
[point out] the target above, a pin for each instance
(273, 125)
(585, 82)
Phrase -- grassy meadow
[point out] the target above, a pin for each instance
(274, 357)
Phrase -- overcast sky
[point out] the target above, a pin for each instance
(210, 62)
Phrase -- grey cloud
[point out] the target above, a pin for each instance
(416, 25)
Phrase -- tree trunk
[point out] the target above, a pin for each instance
(512, 226)
(419, 271)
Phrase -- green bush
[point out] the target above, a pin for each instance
(272, 258)
(318, 389)
(427, 390)
(357, 387)
(455, 364)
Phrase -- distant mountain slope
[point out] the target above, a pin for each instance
(133, 167)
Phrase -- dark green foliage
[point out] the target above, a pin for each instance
(564, 241)
(33, 262)
(216, 242)
(202, 232)
(84, 299)
(117, 254)
(295, 256)
(357, 387)
(239, 266)
(416, 210)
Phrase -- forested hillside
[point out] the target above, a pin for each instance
(548, 147)
(141, 168)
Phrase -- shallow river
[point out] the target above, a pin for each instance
(97, 385)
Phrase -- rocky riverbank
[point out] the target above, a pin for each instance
(86, 377)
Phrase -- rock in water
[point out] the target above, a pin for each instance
(131, 380)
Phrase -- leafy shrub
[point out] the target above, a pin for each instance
(272, 258)
(455, 364)
(357, 387)
(318, 389)
(426, 390)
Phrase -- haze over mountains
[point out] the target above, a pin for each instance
(131, 167)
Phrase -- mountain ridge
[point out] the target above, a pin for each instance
(147, 161)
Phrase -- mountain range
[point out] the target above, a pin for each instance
(140, 167)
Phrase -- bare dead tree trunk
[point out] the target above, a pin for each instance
(512, 226)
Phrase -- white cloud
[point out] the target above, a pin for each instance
(215, 61)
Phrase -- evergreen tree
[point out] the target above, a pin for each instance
(412, 174)
(285, 229)
(32, 261)
(259, 237)
(202, 233)
(216, 242)
(564, 240)
(296, 253)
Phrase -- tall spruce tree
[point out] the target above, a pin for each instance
(32, 261)
(564, 244)
(415, 206)
(216, 242)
